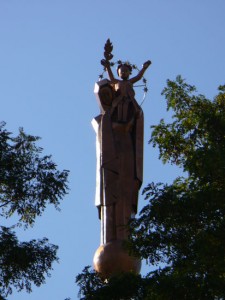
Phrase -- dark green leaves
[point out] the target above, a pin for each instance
(195, 138)
(183, 225)
(124, 286)
(28, 181)
(22, 264)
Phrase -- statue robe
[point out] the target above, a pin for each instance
(119, 144)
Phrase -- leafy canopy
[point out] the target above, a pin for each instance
(28, 182)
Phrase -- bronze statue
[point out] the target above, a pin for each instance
(119, 130)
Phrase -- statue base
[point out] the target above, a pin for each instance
(111, 259)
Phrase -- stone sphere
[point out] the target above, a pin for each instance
(111, 259)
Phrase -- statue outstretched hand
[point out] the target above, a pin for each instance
(146, 64)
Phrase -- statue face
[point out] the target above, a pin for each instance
(124, 72)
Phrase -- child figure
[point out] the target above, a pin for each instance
(124, 101)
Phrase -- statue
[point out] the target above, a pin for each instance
(119, 130)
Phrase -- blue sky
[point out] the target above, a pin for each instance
(49, 61)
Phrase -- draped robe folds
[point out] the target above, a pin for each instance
(119, 141)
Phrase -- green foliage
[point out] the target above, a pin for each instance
(195, 139)
(181, 231)
(183, 225)
(23, 263)
(28, 182)
(123, 286)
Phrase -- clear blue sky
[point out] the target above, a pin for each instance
(50, 52)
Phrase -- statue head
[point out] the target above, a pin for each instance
(124, 70)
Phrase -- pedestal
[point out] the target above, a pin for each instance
(111, 259)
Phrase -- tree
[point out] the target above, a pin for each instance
(28, 182)
(124, 286)
(181, 231)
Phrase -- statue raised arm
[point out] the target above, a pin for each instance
(106, 64)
